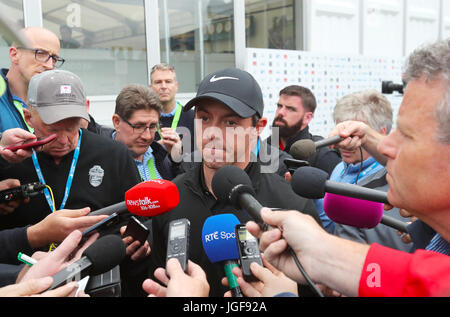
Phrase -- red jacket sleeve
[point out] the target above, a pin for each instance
(392, 273)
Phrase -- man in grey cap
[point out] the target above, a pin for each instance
(83, 169)
(229, 119)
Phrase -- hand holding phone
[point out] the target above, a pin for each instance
(101, 225)
(31, 144)
(178, 242)
(136, 230)
(248, 252)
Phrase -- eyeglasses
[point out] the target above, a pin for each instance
(43, 56)
(140, 129)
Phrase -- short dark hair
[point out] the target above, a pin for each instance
(136, 97)
(308, 98)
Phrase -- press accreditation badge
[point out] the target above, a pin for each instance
(96, 176)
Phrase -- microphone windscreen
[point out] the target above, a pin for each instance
(303, 149)
(352, 211)
(229, 181)
(219, 239)
(152, 198)
(309, 182)
(105, 253)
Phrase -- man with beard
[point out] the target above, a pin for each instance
(295, 110)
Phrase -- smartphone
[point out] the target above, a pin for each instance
(137, 230)
(293, 165)
(31, 144)
(248, 248)
(178, 243)
(101, 225)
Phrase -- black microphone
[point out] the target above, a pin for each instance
(313, 183)
(118, 208)
(100, 257)
(230, 183)
(304, 149)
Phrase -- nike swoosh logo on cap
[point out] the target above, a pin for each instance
(214, 79)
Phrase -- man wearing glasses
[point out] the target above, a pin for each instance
(40, 55)
(136, 120)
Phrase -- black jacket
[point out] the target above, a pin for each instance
(325, 158)
(119, 174)
(186, 122)
(12, 242)
(197, 204)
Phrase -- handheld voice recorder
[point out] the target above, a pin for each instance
(178, 243)
(248, 251)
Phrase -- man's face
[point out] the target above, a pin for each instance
(291, 117)
(138, 143)
(25, 60)
(66, 131)
(223, 137)
(354, 157)
(418, 165)
(165, 85)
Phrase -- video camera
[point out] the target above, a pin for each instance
(388, 87)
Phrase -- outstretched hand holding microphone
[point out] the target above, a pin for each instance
(318, 251)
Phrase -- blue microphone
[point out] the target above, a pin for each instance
(219, 243)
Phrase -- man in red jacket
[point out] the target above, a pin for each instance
(416, 155)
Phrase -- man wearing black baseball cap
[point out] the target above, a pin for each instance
(229, 119)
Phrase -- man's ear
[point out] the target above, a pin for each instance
(308, 118)
(116, 121)
(14, 55)
(27, 115)
(262, 123)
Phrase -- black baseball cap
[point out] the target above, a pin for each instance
(235, 88)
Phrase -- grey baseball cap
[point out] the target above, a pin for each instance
(57, 95)
(235, 88)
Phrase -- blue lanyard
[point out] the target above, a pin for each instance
(258, 145)
(69, 178)
(363, 173)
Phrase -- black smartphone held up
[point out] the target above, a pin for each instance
(136, 230)
(101, 225)
(178, 243)
(248, 251)
(31, 144)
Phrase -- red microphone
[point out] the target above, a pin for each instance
(147, 199)
(152, 198)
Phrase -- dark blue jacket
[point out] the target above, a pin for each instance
(10, 117)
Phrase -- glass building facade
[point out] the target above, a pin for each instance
(111, 43)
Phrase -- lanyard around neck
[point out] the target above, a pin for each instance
(152, 168)
(19, 104)
(176, 118)
(363, 173)
(73, 166)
